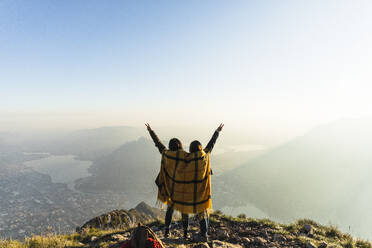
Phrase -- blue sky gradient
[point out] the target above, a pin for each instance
(163, 61)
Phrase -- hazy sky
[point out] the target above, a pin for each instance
(269, 64)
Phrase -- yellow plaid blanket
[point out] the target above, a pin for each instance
(185, 181)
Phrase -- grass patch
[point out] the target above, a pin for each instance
(291, 232)
(333, 232)
(47, 241)
(348, 244)
(264, 223)
(242, 216)
(303, 222)
(363, 244)
(218, 212)
(291, 228)
(11, 244)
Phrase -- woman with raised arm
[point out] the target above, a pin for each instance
(175, 145)
(184, 182)
(196, 145)
(202, 164)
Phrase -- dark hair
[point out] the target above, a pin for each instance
(175, 144)
(195, 146)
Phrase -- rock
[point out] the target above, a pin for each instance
(310, 245)
(289, 237)
(279, 237)
(201, 245)
(114, 219)
(323, 245)
(118, 237)
(307, 229)
(220, 244)
(175, 233)
(246, 241)
(259, 241)
(234, 240)
(222, 234)
(292, 243)
(146, 209)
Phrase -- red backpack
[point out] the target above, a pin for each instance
(143, 237)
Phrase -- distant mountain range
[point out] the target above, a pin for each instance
(323, 175)
(87, 144)
(131, 168)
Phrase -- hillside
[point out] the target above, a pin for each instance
(32, 204)
(87, 144)
(323, 175)
(142, 213)
(225, 232)
(223, 162)
(132, 168)
(11, 152)
(30, 200)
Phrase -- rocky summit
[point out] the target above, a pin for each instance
(228, 232)
(224, 232)
(120, 219)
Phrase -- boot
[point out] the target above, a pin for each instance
(166, 232)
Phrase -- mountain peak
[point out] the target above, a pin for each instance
(142, 213)
(224, 232)
(144, 208)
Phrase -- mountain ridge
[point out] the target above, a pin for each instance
(322, 175)
(225, 232)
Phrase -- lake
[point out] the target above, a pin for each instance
(62, 169)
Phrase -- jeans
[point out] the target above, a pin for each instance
(203, 222)
(168, 219)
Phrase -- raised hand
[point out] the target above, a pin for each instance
(148, 127)
(219, 129)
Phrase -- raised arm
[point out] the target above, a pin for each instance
(155, 138)
(213, 140)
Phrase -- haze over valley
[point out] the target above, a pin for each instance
(322, 175)
(290, 81)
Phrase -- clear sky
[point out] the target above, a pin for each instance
(285, 64)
